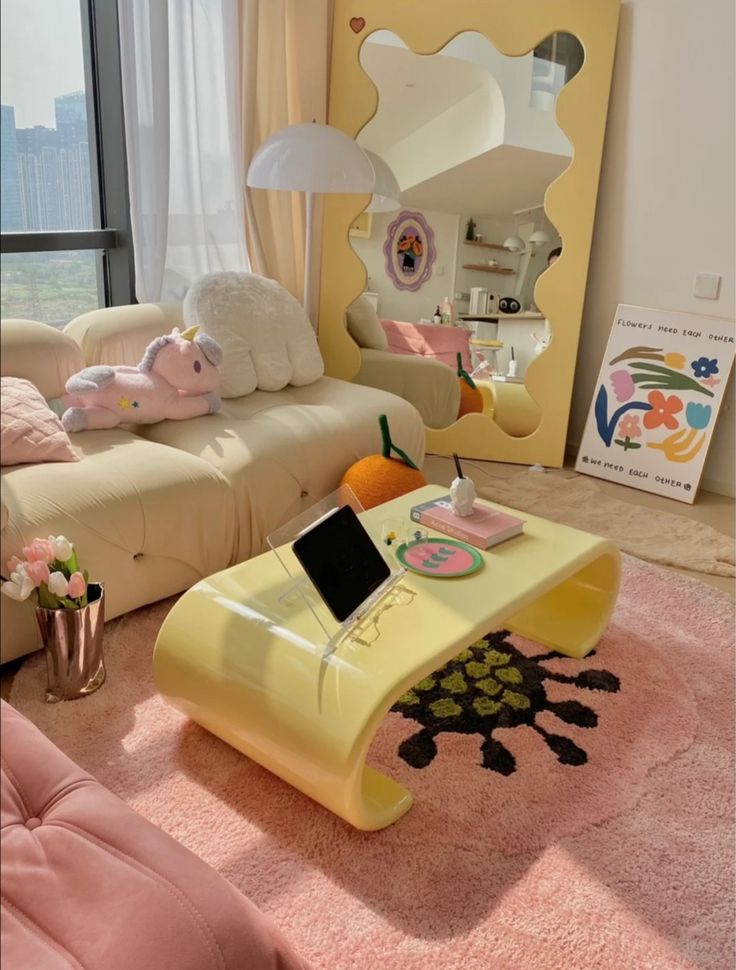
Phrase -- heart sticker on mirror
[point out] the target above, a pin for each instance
(357, 24)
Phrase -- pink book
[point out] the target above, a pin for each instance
(484, 528)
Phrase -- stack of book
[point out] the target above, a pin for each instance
(484, 528)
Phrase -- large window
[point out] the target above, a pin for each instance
(64, 207)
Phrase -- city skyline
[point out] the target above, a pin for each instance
(46, 179)
(45, 175)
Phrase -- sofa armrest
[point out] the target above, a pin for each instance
(429, 385)
(120, 334)
(77, 859)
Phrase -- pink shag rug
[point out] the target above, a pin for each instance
(584, 821)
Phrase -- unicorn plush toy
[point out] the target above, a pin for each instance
(177, 378)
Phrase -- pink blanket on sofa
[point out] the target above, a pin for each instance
(428, 340)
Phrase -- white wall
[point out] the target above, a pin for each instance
(493, 231)
(666, 202)
(526, 126)
(469, 128)
(515, 333)
(410, 305)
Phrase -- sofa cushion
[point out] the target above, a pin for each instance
(147, 520)
(29, 429)
(283, 451)
(364, 326)
(40, 353)
(87, 882)
(266, 337)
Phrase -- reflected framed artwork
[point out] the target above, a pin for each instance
(409, 251)
(656, 400)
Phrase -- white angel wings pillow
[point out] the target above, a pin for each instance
(266, 337)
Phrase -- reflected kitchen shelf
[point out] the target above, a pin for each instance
(504, 379)
(485, 245)
(501, 270)
(493, 317)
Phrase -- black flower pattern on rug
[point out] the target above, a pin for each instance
(493, 685)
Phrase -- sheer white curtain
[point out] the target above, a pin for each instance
(181, 95)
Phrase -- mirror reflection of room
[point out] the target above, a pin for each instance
(472, 141)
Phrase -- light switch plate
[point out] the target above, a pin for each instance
(707, 286)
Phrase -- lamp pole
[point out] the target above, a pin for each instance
(307, 298)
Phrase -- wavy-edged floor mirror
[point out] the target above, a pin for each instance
(491, 117)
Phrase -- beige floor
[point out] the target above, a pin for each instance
(717, 511)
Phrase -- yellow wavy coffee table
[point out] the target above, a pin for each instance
(259, 675)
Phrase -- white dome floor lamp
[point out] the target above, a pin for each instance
(386, 193)
(311, 158)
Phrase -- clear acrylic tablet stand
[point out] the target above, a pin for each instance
(302, 590)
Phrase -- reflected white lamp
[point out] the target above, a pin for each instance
(386, 192)
(311, 158)
(514, 244)
(539, 238)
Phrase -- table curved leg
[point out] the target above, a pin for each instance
(259, 697)
(377, 802)
(571, 617)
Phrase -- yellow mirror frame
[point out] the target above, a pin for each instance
(514, 27)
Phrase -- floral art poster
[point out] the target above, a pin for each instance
(656, 400)
(409, 251)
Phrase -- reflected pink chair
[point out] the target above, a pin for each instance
(428, 340)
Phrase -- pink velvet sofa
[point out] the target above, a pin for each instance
(428, 340)
(86, 882)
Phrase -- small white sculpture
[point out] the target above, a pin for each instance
(541, 343)
(462, 492)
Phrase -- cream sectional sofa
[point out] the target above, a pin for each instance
(154, 508)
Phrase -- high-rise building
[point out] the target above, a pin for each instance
(46, 178)
(75, 203)
(71, 109)
(11, 218)
(41, 189)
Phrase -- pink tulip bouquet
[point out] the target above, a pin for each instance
(51, 571)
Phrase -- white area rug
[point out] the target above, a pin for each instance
(660, 537)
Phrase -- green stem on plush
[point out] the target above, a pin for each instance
(462, 373)
(387, 445)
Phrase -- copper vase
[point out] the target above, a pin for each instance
(72, 641)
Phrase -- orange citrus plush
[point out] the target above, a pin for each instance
(379, 478)
(471, 400)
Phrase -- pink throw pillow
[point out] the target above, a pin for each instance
(30, 432)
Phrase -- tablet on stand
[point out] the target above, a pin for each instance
(335, 568)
